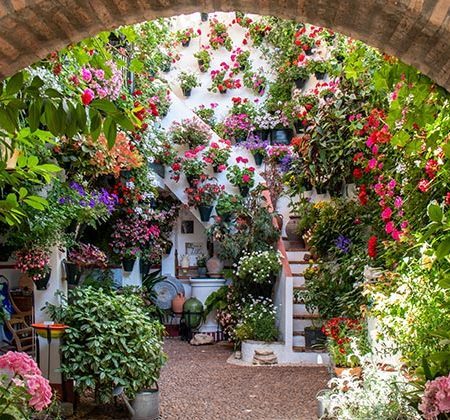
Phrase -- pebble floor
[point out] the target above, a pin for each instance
(198, 384)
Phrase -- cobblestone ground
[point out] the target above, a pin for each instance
(198, 384)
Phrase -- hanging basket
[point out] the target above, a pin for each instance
(300, 83)
(42, 283)
(73, 273)
(144, 267)
(205, 213)
(128, 264)
(244, 190)
(259, 157)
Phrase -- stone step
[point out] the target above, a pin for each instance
(299, 308)
(298, 281)
(301, 324)
(298, 341)
(303, 349)
(299, 287)
(306, 316)
(298, 269)
(296, 255)
(298, 333)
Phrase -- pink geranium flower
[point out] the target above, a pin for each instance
(386, 213)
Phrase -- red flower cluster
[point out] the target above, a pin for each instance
(372, 246)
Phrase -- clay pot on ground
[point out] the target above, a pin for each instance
(177, 303)
(214, 266)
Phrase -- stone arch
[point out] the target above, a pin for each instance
(416, 31)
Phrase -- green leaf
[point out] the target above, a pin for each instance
(22, 193)
(36, 202)
(14, 84)
(136, 65)
(443, 249)
(400, 139)
(124, 122)
(34, 116)
(6, 122)
(445, 282)
(103, 105)
(110, 130)
(434, 212)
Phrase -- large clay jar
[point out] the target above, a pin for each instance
(214, 266)
(291, 229)
(177, 303)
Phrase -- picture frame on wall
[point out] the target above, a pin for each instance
(194, 249)
(187, 227)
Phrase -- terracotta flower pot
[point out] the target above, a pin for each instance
(215, 266)
(177, 303)
(355, 371)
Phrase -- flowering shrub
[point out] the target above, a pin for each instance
(255, 145)
(218, 35)
(259, 266)
(257, 321)
(191, 132)
(220, 82)
(185, 35)
(241, 177)
(188, 81)
(218, 154)
(96, 84)
(207, 114)
(130, 235)
(240, 59)
(436, 399)
(204, 59)
(344, 338)
(255, 81)
(190, 165)
(203, 194)
(267, 121)
(87, 255)
(23, 389)
(35, 262)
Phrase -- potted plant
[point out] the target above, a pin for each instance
(130, 235)
(192, 132)
(135, 355)
(242, 177)
(163, 155)
(203, 59)
(341, 334)
(241, 60)
(299, 74)
(188, 81)
(185, 35)
(83, 256)
(207, 115)
(319, 68)
(201, 265)
(219, 36)
(202, 197)
(257, 147)
(228, 205)
(204, 17)
(192, 167)
(237, 127)
(35, 262)
(260, 267)
(255, 81)
(221, 83)
(218, 154)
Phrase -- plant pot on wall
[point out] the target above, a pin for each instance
(158, 168)
(204, 17)
(205, 213)
(128, 264)
(201, 66)
(262, 134)
(144, 267)
(42, 283)
(73, 273)
(314, 337)
(185, 43)
(259, 157)
(186, 92)
(282, 136)
(244, 190)
(300, 83)
(320, 75)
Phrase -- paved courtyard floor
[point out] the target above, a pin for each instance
(197, 383)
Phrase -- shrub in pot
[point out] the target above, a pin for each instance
(188, 81)
(113, 340)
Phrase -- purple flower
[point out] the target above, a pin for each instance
(285, 163)
(343, 243)
(78, 188)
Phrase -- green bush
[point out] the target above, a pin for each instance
(111, 341)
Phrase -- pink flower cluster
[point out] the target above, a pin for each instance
(23, 371)
(34, 262)
(436, 399)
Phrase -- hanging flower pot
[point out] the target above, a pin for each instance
(187, 92)
(309, 51)
(42, 283)
(223, 91)
(73, 273)
(205, 213)
(168, 247)
(201, 66)
(144, 267)
(128, 264)
(282, 136)
(244, 190)
(158, 168)
(191, 180)
(204, 17)
(300, 83)
(262, 134)
(259, 157)
(165, 67)
(186, 43)
(319, 75)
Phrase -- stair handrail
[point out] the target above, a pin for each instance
(280, 244)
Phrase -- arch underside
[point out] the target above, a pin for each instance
(416, 31)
